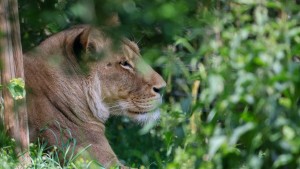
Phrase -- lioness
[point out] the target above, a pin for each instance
(77, 78)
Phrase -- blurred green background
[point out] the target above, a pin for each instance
(232, 69)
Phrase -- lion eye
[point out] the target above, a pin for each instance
(126, 65)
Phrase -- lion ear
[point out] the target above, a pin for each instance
(81, 44)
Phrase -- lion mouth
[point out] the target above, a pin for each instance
(134, 112)
(144, 117)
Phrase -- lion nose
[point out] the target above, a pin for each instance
(158, 89)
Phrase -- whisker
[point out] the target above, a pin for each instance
(117, 102)
(118, 105)
(145, 109)
(146, 100)
(145, 105)
(189, 67)
(125, 107)
(138, 42)
(117, 111)
(121, 107)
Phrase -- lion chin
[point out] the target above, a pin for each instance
(144, 117)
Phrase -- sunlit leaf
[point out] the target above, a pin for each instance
(16, 88)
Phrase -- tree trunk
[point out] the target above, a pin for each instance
(15, 113)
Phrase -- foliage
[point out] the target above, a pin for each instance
(42, 155)
(6, 158)
(61, 157)
(7, 155)
(16, 88)
(232, 99)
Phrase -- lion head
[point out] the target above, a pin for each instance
(95, 73)
(119, 81)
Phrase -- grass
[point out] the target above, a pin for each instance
(45, 156)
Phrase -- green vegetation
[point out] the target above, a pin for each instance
(233, 75)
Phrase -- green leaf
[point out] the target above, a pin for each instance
(16, 88)
(239, 131)
(288, 132)
(283, 160)
(185, 43)
(215, 143)
(286, 102)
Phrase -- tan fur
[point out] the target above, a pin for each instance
(63, 95)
